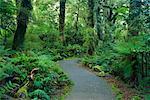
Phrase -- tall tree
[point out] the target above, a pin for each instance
(134, 17)
(98, 16)
(22, 21)
(90, 24)
(62, 19)
(77, 15)
(91, 13)
(134, 29)
(109, 18)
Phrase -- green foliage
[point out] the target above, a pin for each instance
(115, 58)
(7, 11)
(98, 68)
(73, 36)
(95, 64)
(38, 83)
(91, 60)
(147, 97)
(22, 91)
(133, 45)
(7, 23)
(119, 95)
(39, 94)
(8, 88)
(17, 68)
(91, 40)
(136, 98)
(73, 50)
(43, 46)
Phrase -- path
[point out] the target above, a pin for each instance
(87, 86)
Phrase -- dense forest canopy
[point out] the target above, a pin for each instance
(111, 36)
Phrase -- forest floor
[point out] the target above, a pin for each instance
(87, 86)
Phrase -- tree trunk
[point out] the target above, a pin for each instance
(134, 29)
(99, 21)
(77, 19)
(91, 13)
(62, 20)
(134, 17)
(22, 21)
(91, 23)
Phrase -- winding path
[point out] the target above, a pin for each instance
(87, 86)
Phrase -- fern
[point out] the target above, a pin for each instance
(48, 78)
(98, 68)
(134, 44)
(2, 51)
(40, 94)
(38, 81)
(8, 87)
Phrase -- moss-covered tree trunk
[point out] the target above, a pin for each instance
(91, 13)
(134, 17)
(62, 20)
(77, 19)
(90, 23)
(134, 29)
(98, 16)
(22, 21)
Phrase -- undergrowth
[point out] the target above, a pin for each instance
(31, 75)
(124, 59)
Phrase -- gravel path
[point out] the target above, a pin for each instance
(87, 86)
